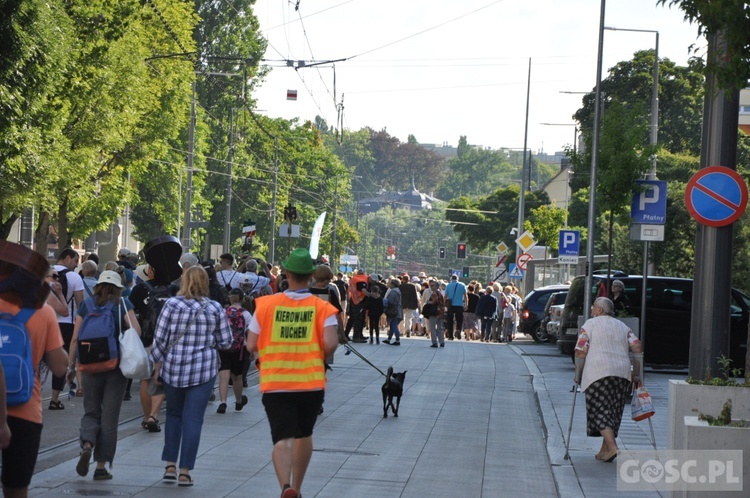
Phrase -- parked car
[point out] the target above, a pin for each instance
(530, 317)
(541, 334)
(668, 305)
(553, 325)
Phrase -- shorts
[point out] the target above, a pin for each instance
(292, 414)
(19, 458)
(230, 360)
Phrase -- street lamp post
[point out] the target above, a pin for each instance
(594, 165)
(652, 172)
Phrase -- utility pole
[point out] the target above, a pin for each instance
(272, 244)
(335, 211)
(228, 216)
(187, 241)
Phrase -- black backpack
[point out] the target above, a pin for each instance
(157, 296)
(62, 276)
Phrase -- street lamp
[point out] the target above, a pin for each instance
(575, 132)
(652, 171)
(654, 92)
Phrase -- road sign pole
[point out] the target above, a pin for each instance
(709, 316)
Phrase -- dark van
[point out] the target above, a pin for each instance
(668, 303)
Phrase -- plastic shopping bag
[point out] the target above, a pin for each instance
(134, 362)
(641, 407)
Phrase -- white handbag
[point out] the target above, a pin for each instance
(134, 362)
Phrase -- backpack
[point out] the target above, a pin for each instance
(157, 296)
(238, 326)
(391, 306)
(62, 276)
(15, 356)
(98, 347)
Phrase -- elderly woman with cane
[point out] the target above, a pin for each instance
(604, 373)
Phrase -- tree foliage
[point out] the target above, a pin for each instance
(732, 18)
(680, 99)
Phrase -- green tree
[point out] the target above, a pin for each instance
(731, 17)
(37, 38)
(478, 172)
(488, 220)
(680, 99)
(545, 222)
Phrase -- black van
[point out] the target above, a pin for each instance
(668, 303)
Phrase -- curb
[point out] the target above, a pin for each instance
(563, 471)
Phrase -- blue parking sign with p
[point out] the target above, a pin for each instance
(649, 206)
(570, 242)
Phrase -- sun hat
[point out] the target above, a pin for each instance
(110, 277)
(142, 272)
(422, 274)
(299, 262)
(414, 280)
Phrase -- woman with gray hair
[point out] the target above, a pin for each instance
(619, 299)
(604, 373)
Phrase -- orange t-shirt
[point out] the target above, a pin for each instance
(45, 336)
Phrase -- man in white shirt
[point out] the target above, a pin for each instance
(228, 276)
(72, 283)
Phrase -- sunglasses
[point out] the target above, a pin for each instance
(54, 276)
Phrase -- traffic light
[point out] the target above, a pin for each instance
(461, 251)
(465, 272)
(441, 253)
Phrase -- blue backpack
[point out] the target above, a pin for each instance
(15, 355)
(98, 347)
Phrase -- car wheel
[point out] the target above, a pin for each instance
(539, 334)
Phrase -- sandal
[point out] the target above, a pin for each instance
(152, 423)
(79, 393)
(187, 482)
(56, 405)
(82, 468)
(102, 475)
(144, 424)
(170, 475)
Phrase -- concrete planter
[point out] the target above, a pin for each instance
(701, 436)
(685, 399)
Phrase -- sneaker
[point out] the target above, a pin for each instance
(396, 343)
(387, 341)
(433, 345)
(442, 345)
(238, 406)
(222, 408)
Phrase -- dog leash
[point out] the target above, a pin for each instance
(364, 359)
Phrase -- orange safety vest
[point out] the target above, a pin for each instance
(290, 345)
(356, 295)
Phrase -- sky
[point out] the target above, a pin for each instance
(440, 69)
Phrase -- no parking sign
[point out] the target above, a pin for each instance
(716, 196)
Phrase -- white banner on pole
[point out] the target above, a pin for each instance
(315, 238)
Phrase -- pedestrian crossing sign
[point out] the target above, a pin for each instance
(515, 271)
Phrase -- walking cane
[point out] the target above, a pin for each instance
(570, 425)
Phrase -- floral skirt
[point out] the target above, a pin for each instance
(605, 402)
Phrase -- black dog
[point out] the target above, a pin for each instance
(393, 387)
